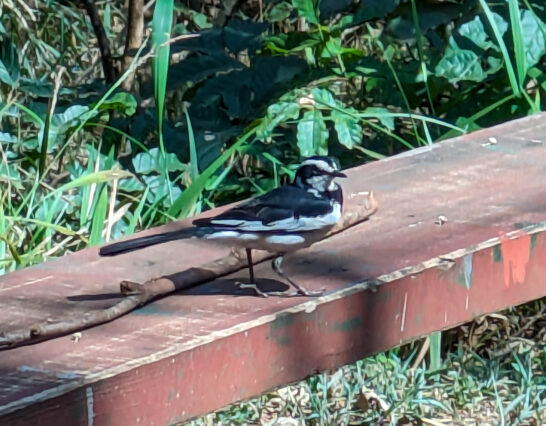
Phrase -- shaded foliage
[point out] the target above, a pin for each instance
(246, 99)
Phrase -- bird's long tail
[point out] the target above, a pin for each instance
(150, 240)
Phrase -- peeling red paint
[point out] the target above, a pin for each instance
(515, 257)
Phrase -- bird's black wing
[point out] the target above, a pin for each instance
(288, 208)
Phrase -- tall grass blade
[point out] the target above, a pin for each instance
(194, 168)
(435, 351)
(502, 47)
(91, 178)
(3, 229)
(183, 205)
(99, 216)
(137, 215)
(420, 49)
(517, 35)
(161, 32)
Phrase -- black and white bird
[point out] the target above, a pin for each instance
(285, 219)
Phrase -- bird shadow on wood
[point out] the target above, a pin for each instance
(94, 297)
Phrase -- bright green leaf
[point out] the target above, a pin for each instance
(385, 117)
(460, 64)
(7, 138)
(533, 38)
(501, 24)
(475, 31)
(276, 114)
(152, 161)
(348, 128)
(307, 9)
(279, 12)
(312, 134)
(121, 102)
(324, 97)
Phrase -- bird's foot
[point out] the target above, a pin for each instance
(252, 286)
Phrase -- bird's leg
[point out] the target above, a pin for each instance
(250, 264)
(252, 284)
(301, 291)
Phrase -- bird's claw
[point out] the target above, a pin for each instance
(300, 292)
(253, 287)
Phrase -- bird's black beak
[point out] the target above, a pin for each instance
(338, 174)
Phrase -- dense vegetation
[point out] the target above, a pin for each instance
(179, 126)
(117, 116)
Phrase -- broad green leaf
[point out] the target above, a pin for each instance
(7, 138)
(10, 172)
(70, 117)
(500, 23)
(200, 20)
(312, 134)
(122, 102)
(276, 114)
(324, 97)
(348, 128)
(291, 42)
(152, 161)
(333, 48)
(307, 9)
(61, 123)
(495, 64)
(460, 64)
(159, 188)
(385, 117)
(533, 38)
(279, 12)
(9, 61)
(475, 31)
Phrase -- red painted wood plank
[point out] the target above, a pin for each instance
(194, 352)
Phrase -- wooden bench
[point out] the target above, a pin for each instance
(459, 233)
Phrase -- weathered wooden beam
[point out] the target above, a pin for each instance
(196, 351)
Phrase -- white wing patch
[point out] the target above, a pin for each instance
(285, 239)
(222, 235)
(290, 224)
(227, 222)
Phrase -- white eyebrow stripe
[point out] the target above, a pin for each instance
(320, 164)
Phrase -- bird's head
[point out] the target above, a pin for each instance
(318, 173)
